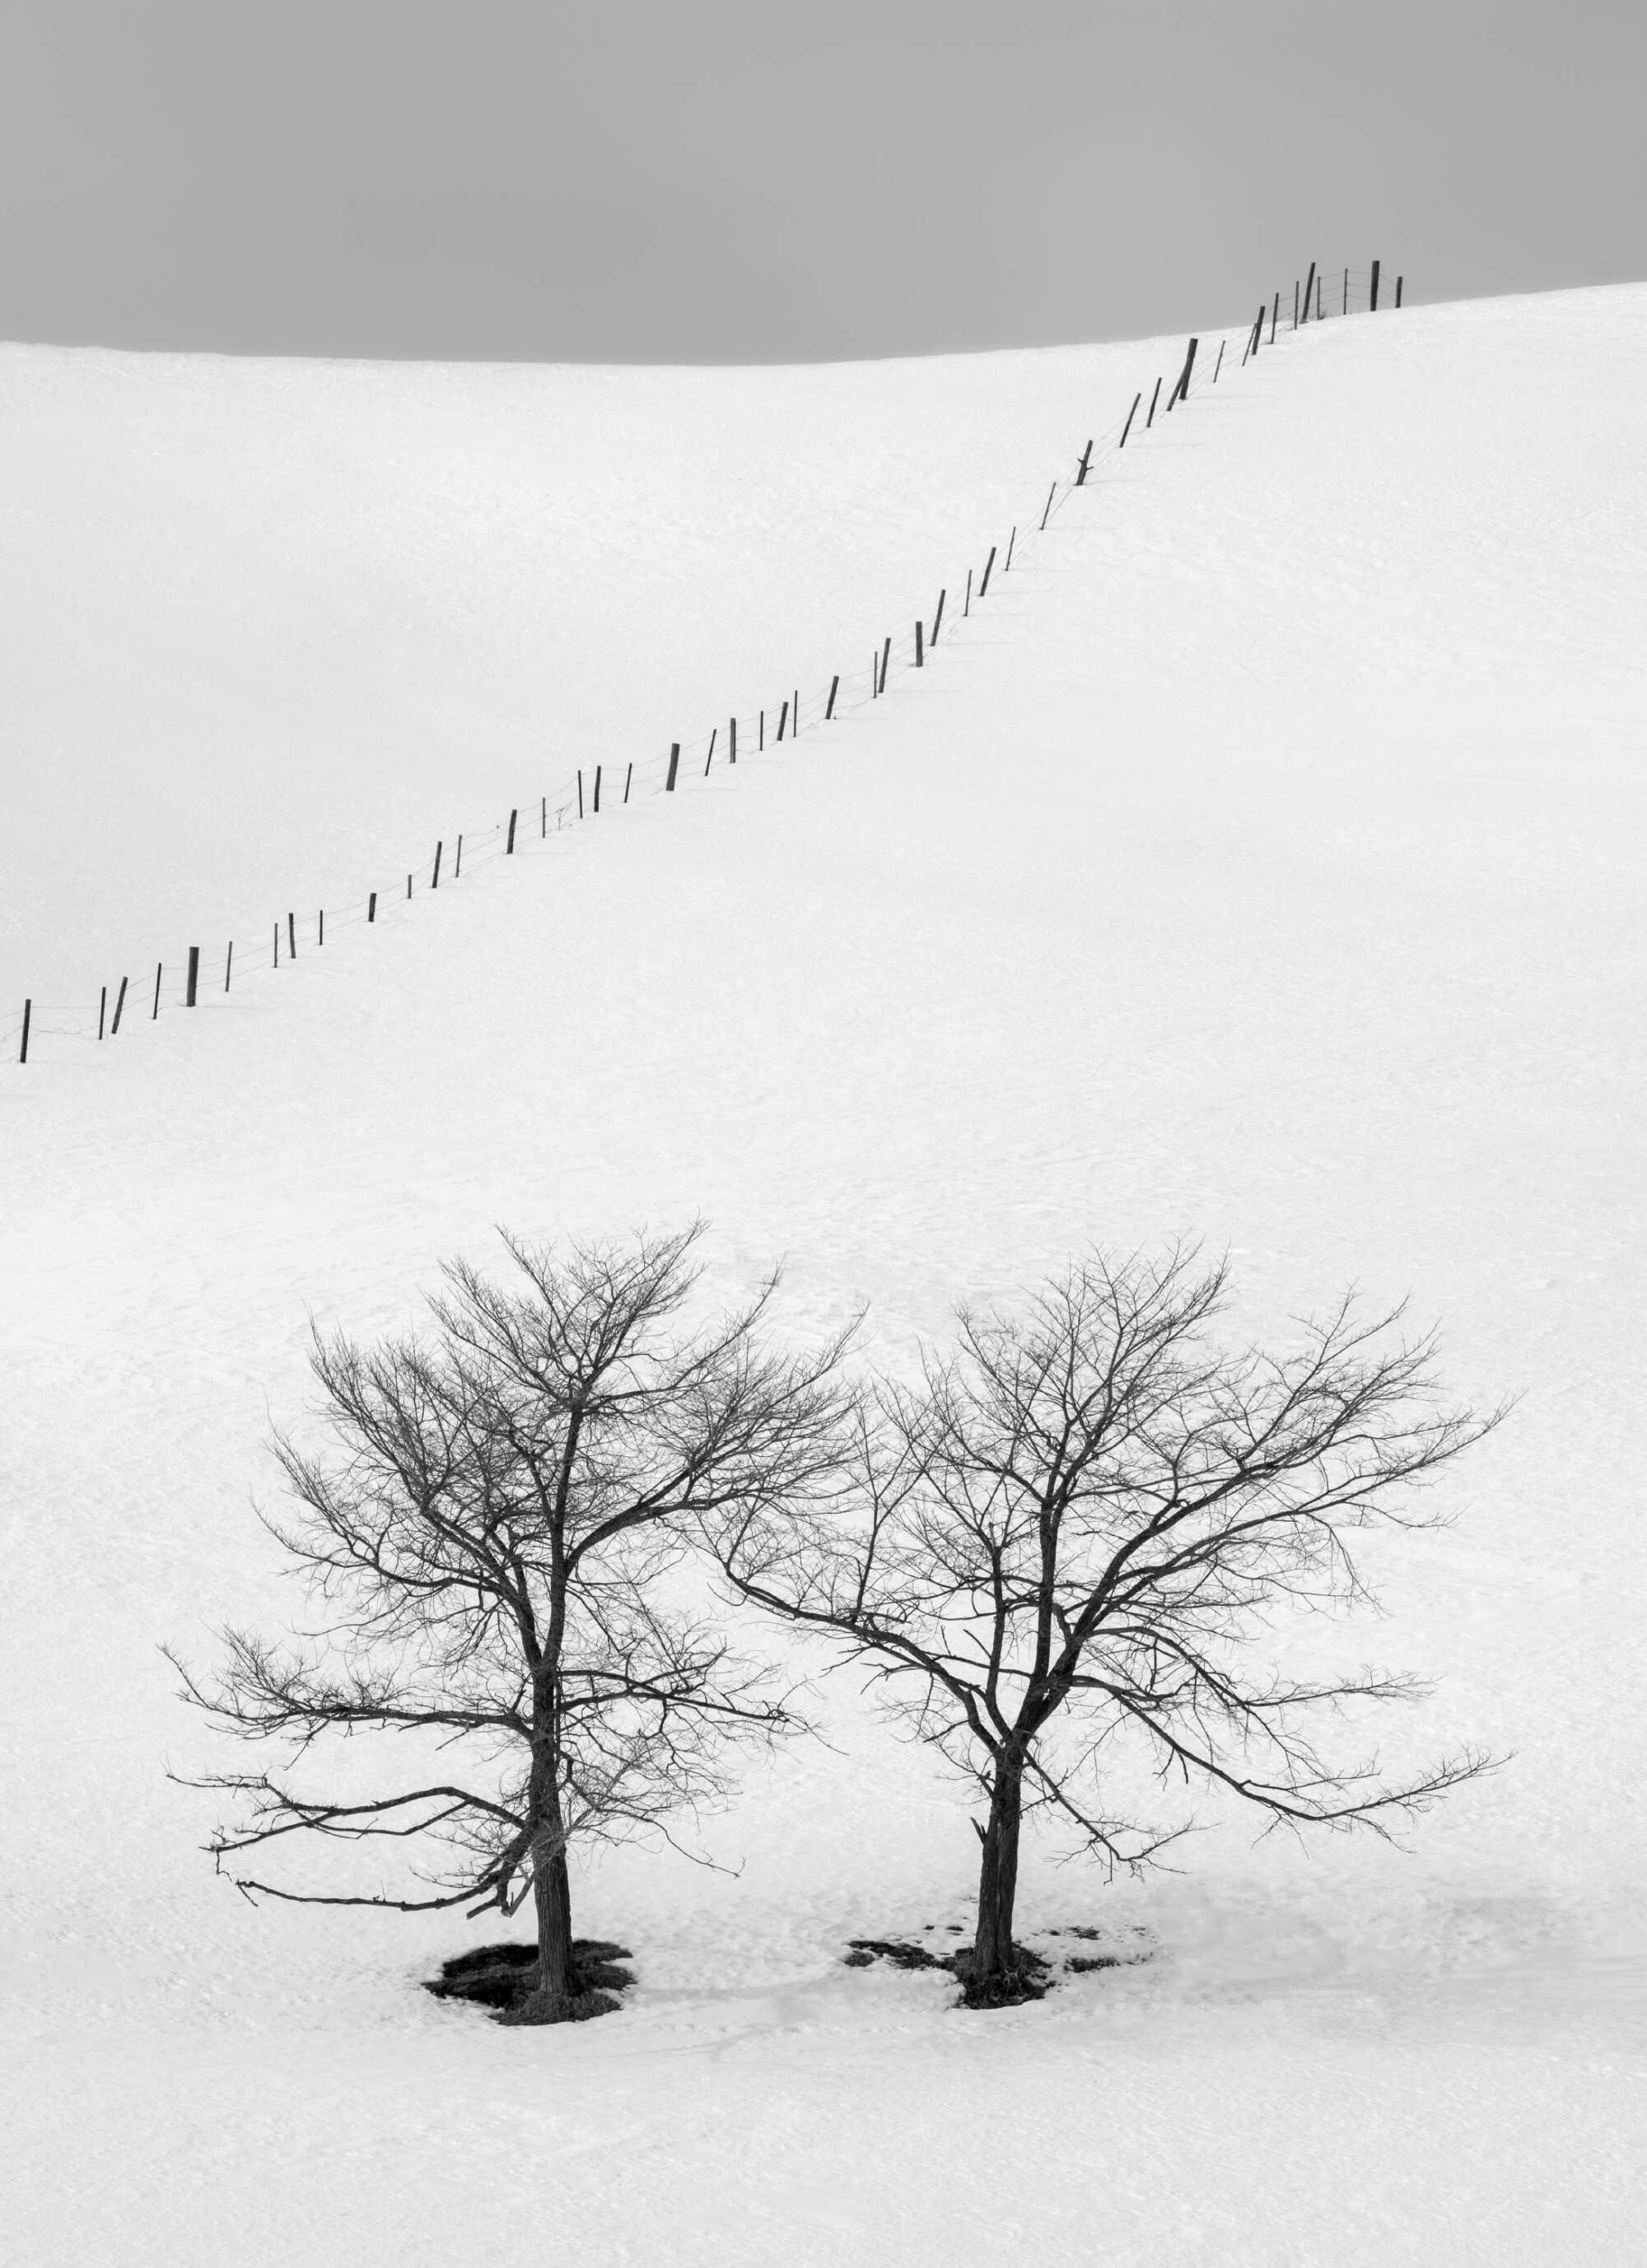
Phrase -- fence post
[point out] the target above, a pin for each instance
(784, 717)
(731, 740)
(920, 652)
(967, 605)
(1398, 282)
(228, 965)
(371, 906)
(102, 1006)
(1319, 316)
(1345, 309)
(580, 791)
(938, 618)
(627, 777)
(1087, 459)
(1046, 508)
(675, 762)
(1180, 392)
(708, 760)
(456, 866)
(435, 884)
(1274, 317)
(1011, 538)
(292, 924)
(760, 733)
(1154, 398)
(192, 983)
(1218, 366)
(120, 1001)
(988, 564)
(1373, 308)
(28, 1012)
(597, 790)
(1131, 413)
(886, 660)
(835, 687)
(510, 849)
(155, 1011)
(408, 889)
(277, 935)
(543, 818)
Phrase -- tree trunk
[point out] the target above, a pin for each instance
(552, 1895)
(995, 1963)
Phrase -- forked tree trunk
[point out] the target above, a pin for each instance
(994, 1957)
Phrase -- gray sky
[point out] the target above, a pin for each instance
(748, 179)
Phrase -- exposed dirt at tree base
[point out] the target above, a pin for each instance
(1033, 1976)
(504, 1978)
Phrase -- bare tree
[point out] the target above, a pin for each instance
(491, 1532)
(1077, 1530)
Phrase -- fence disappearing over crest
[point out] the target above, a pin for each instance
(256, 955)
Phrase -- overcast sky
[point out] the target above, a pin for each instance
(754, 181)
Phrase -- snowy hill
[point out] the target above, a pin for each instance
(1262, 862)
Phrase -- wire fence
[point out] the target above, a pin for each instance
(258, 953)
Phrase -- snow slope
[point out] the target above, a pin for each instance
(1262, 863)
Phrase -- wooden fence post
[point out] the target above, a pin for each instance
(1319, 316)
(1011, 538)
(835, 687)
(708, 760)
(408, 889)
(1398, 282)
(102, 1005)
(1180, 392)
(543, 818)
(938, 619)
(886, 660)
(627, 777)
(1080, 470)
(597, 790)
(120, 1001)
(988, 564)
(456, 866)
(1309, 291)
(292, 932)
(1218, 366)
(1154, 398)
(155, 1011)
(191, 988)
(731, 740)
(760, 733)
(435, 884)
(509, 848)
(1295, 303)
(371, 906)
(28, 1015)
(784, 717)
(1373, 306)
(967, 605)
(920, 652)
(277, 939)
(1274, 317)
(228, 965)
(674, 764)
(1047, 510)
(1131, 413)
(320, 933)
(580, 791)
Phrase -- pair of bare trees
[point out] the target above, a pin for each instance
(1071, 1535)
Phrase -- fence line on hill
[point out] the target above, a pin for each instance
(587, 791)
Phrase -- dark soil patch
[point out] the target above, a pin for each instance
(895, 1949)
(504, 1978)
(1033, 1975)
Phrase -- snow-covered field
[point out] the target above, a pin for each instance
(1262, 863)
